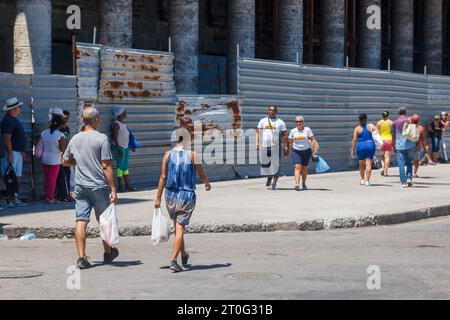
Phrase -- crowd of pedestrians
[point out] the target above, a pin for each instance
(90, 153)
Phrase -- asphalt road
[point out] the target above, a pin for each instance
(413, 262)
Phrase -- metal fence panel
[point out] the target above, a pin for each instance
(51, 91)
(331, 99)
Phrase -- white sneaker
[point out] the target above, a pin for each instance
(368, 184)
(362, 182)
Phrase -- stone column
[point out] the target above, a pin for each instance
(290, 28)
(33, 37)
(402, 39)
(184, 18)
(241, 30)
(332, 33)
(369, 35)
(116, 23)
(432, 36)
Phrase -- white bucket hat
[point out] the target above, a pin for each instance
(55, 112)
(118, 111)
(12, 103)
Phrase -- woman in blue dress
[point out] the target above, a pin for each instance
(365, 148)
(177, 179)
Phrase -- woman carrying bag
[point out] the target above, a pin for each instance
(50, 148)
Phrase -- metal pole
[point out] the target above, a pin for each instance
(74, 54)
(425, 70)
(170, 44)
(95, 36)
(389, 64)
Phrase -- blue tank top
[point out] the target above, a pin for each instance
(365, 135)
(180, 171)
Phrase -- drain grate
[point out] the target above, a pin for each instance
(253, 276)
(19, 274)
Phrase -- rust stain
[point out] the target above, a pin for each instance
(116, 84)
(236, 111)
(119, 74)
(135, 84)
(144, 67)
(153, 78)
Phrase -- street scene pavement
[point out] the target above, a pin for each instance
(334, 200)
(410, 260)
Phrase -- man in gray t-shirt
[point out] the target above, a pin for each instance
(90, 153)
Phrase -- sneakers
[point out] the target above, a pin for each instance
(18, 203)
(184, 260)
(304, 187)
(409, 183)
(274, 187)
(109, 257)
(368, 184)
(297, 188)
(362, 182)
(175, 267)
(83, 263)
(405, 185)
(268, 182)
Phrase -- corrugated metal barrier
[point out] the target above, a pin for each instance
(143, 83)
(331, 99)
(39, 94)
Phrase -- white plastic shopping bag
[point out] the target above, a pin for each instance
(109, 230)
(160, 227)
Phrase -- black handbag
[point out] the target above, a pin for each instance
(11, 182)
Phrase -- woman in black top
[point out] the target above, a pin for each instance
(435, 130)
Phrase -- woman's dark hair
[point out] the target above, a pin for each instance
(385, 114)
(363, 118)
(55, 124)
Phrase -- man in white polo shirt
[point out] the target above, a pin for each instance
(270, 129)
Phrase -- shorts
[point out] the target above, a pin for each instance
(88, 198)
(122, 162)
(17, 163)
(269, 167)
(387, 146)
(418, 153)
(365, 150)
(180, 205)
(301, 157)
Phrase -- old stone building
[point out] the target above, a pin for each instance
(404, 35)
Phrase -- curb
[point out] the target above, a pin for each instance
(311, 225)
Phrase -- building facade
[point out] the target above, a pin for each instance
(404, 35)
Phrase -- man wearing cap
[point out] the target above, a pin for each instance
(404, 149)
(421, 146)
(15, 140)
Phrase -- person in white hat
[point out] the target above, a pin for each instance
(56, 112)
(13, 134)
(121, 139)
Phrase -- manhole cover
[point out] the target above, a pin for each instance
(19, 274)
(254, 276)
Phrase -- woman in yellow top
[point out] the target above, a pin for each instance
(384, 127)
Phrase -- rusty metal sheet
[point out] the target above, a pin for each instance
(136, 76)
(88, 71)
(212, 112)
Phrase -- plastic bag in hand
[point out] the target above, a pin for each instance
(160, 227)
(109, 230)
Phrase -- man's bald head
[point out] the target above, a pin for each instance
(90, 116)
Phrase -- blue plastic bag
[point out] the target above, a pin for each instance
(322, 166)
(133, 144)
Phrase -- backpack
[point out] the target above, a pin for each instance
(11, 182)
(411, 132)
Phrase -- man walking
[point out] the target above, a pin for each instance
(15, 140)
(404, 149)
(90, 153)
(270, 128)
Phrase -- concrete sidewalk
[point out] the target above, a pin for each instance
(334, 200)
